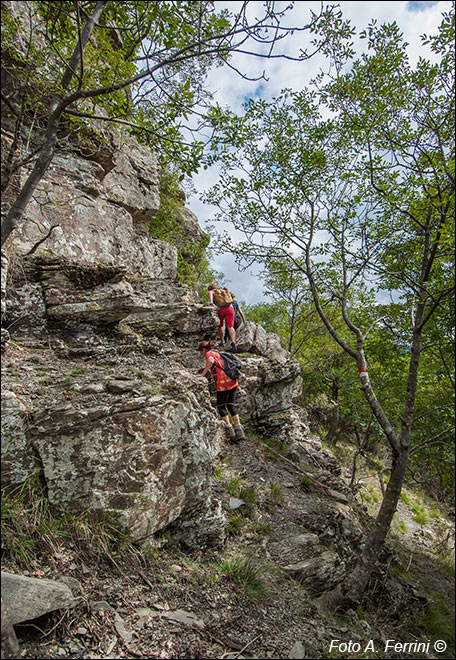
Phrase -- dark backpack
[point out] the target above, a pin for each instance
(233, 365)
(237, 319)
(237, 316)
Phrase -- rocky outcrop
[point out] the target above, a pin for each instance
(92, 213)
(318, 573)
(104, 401)
(143, 458)
(19, 460)
(268, 387)
(136, 447)
(253, 338)
(131, 431)
(61, 290)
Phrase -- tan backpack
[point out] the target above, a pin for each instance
(223, 297)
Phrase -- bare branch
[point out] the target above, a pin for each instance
(437, 438)
(38, 243)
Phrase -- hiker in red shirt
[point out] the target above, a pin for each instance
(226, 391)
(222, 299)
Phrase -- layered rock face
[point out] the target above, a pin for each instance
(144, 458)
(102, 398)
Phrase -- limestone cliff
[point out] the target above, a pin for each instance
(101, 394)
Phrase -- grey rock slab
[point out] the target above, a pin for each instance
(10, 646)
(235, 503)
(318, 573)
(181, 616)
(72, 583)
(100, 606)
(121, 386)
(298, 651)
(119, 624)
(340, 497)
(27, 598)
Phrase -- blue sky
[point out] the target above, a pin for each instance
(414, 19)
(420, 5)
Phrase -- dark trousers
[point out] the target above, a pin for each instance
(226, 402)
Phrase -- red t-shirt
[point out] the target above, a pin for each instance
(223, 381)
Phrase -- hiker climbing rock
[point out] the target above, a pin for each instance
(239, 317)
(222, 299)
(225, 368)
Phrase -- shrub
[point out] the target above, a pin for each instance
(247, 573)
(306, 484)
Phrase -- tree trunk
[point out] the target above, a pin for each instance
(331, 436)
(350, 592)
(16, 211)
(362, 443)
(14, 215)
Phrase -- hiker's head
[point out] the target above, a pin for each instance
(206, 346)
(211, 287)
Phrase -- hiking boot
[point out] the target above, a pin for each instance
(233, 347)
(229, 433)
(238, 433)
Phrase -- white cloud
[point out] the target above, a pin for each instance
(413, 18)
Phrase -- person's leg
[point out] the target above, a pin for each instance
(231, 407)
(222, 398)
(221, 406)
(238, 431)
(230, 404)
(221, 322)
(229, 323)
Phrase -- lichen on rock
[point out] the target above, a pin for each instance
(113, 415)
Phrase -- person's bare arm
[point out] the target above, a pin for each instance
(206, 369)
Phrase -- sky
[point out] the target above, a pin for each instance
(229, 89)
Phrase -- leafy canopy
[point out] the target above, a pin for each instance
(351, 183)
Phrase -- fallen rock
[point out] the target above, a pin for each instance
(72, 583)
(235, 503)
(10, 647)
(318, 573)
(119, 625)
(338, 496)
(181, 616)
(121, 386)
(298, 651)
(100, 606)
(27, 598)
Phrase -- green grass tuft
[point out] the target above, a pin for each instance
(247, 573)
(306, 484)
